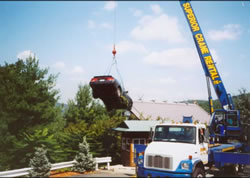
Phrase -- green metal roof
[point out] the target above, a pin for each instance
(136, 126)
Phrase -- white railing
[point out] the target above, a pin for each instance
(25, 171)
(102, 160)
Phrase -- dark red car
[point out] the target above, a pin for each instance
(109, 90)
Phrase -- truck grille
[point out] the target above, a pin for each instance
(159, 162)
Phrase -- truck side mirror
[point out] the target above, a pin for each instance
(206, 136)
(201, 138)
(201, 135)
(150, 140)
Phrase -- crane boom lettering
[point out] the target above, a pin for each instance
(205, 55)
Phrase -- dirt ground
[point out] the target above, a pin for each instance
(115, 171)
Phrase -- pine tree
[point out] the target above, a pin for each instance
(40, 164)
(84, 160)
(28, 102)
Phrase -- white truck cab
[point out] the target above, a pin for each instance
(178, 149)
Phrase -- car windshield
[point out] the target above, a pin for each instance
(182, 134)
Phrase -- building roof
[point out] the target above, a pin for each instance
(136, 126)
(169, 111)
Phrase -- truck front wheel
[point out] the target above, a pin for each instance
(198, 172)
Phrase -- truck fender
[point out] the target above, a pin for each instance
(197, 164)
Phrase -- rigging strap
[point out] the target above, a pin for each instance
(114, 61)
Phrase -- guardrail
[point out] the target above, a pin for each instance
(102, 160)
(25, 171)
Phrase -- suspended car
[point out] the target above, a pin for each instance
(109, 90)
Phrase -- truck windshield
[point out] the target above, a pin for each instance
(183, 134)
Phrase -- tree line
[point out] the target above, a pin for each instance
(31, 117)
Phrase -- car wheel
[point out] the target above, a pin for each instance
(198, 172)
(119, 92)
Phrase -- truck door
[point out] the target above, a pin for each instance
(203, 145)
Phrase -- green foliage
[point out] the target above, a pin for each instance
(23, 148)
(242, 103)
(78, 115)
(84, 160)
(104, 140)
(70, 137)
(30, 117)
(27, 98)
(40, 164)
(84, 108)
(89, 118)
(27, 105)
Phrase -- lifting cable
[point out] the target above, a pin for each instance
(114, 61)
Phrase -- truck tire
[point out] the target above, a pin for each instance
(198, 172)
(230, 171)
(136, 171)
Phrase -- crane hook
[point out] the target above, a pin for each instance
(114, 51)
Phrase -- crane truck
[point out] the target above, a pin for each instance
(225, 123)
(185, 149)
